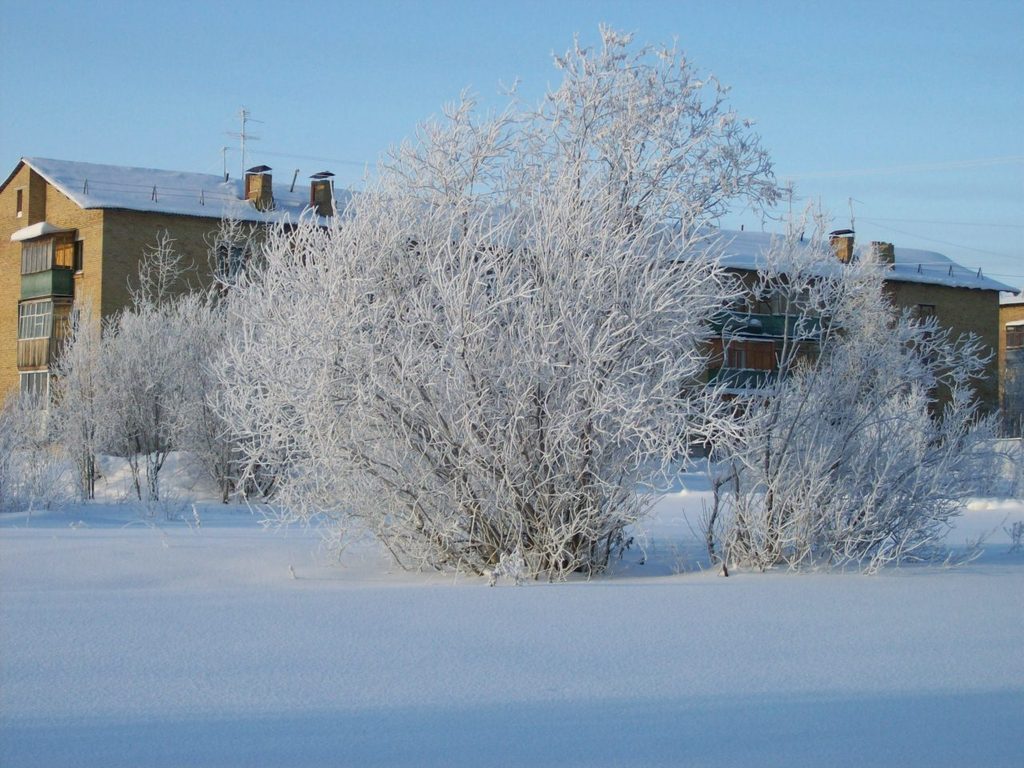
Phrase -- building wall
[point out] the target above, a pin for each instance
(113, 242)
(1011, 401)
(44, 203)
(128, 234)
(962, 311)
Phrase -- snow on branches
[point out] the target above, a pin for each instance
(867, 441)
(497, 348)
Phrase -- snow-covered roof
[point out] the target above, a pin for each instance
(37, 230)
(747, 250)
(91, 185)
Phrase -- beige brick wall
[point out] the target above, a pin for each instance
(128, 234)
(10, 276)
(113, 242)
(963, 311)
(44, 203)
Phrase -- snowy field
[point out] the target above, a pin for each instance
(132, 641)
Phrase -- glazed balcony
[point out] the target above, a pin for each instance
(52, 282)
(47, 268)
(771, 326)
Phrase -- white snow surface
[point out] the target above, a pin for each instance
(93, 185)
(747, 250)
(128, 639)
(37, 230)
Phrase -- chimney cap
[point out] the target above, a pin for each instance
(840, 232)
(259, 169)
(322, 175)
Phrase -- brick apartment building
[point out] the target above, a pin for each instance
(70, 230)
(928, 283)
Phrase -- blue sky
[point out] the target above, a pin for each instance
(913, 109)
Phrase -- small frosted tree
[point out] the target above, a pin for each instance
(204, 433)
(496, 350)
(32, 468)
(78, 380)
(148, 361)
(1013, 395)
(863, 447)
(145, 384)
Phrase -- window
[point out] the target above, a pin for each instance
(736, 356)
(77, 258)
(35, 320)
(1015, 336)
(36, 256)
(925, 311)
(35, 388)
(19, 205)
(231, 258)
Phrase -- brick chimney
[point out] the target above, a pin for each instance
(321, 193)
(884, 252)
(841, 241)
(259, 187)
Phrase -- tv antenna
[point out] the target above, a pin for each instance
(851, 201)
(246, 117)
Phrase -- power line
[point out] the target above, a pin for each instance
(360, 163)
(953, 223)
(942, 242)
(878, 171)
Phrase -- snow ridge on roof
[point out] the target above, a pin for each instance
(92, 185)
(747, 250)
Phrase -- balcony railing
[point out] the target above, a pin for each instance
(52, 282)
(773, 326)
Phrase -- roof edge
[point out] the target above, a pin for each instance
(14, 173)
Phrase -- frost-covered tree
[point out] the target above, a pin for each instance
(1013, 396)
(145, 384)
(149, 360)
(78, 382)
(203, 432)
(31, 466)
(849, 456)
(493, 354)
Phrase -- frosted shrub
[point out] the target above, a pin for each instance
(499, 344)
(1016, 534)
(32, 466)
(143, 385)
(870, 440)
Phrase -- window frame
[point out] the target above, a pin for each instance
(1014, 336)
(38, 397)
(36, 324)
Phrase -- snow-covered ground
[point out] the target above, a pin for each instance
(133, 641)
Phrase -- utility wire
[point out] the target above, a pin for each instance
(948, 166)
(942, 242)
(361, 164)
(953, 223)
